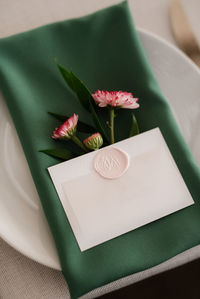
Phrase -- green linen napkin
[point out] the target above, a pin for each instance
(104, 50)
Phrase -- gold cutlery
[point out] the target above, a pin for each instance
(183, 31)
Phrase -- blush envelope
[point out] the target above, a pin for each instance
(100, 209)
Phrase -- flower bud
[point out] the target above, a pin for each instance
(93, 142)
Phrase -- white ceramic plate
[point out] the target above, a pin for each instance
(22, 222)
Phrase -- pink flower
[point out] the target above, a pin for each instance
(67, 129)
(115, 99)
(94, 141)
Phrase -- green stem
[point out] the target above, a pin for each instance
(111, 124)
(79, 143)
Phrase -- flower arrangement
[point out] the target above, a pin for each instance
(110, 100)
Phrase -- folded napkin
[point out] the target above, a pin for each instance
(104, 50)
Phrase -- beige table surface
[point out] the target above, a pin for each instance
(20, 277)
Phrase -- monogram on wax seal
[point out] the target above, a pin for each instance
(111, 163)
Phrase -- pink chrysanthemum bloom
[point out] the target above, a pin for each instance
(67, 129)
(93, 142)
(115, 99)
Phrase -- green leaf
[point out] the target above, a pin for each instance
(59, 117)
(61, 153)
(134, 127)
(84, 97)
(82, 127)
(77, 86)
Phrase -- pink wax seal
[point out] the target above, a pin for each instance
(111, 162)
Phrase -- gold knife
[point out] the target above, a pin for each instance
(183, 32)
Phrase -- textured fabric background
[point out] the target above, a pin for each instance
(19, 276)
